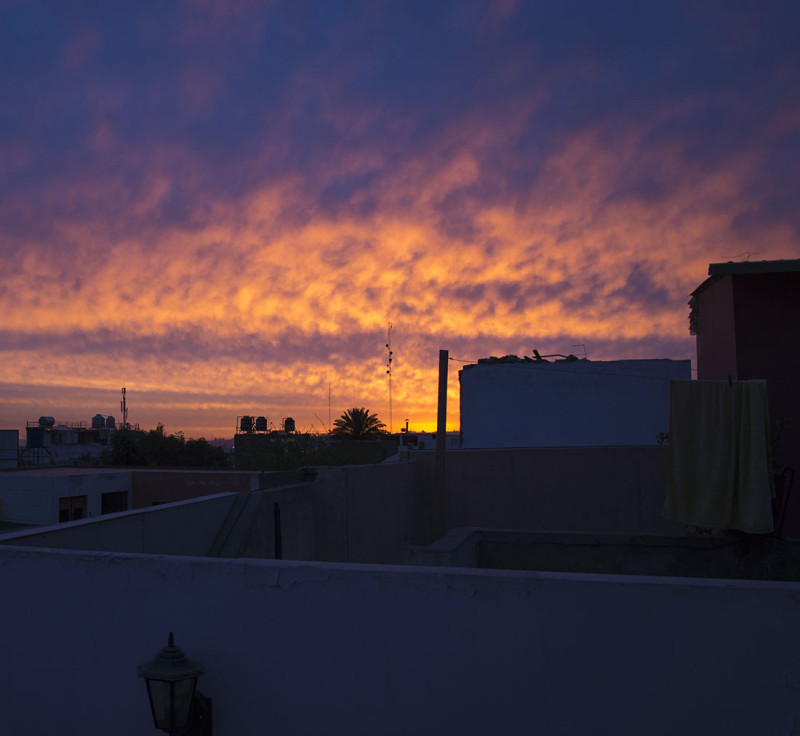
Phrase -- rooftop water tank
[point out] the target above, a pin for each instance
(288, 424)
(246, 424)
(46, 421)
(98, 421)
(261, 424)
(110, 423)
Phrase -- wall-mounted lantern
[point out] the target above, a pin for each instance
(177, 707)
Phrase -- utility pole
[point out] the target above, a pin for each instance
(439, 511)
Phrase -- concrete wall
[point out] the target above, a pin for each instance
(703, 556)
(747, 329)
(350, 513)
(414, 441)
(609, 489)
(9, 448)
(32, 496)
(386, 511)
(183, 528)
(360, 513)
(166, 486)
(766, 314)
(716, 331)
(364, 513)
(275, 524)
(371, 513)
(266, 451)
(566, 404)
(294, 648)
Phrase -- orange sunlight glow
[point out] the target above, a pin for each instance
(253, 309)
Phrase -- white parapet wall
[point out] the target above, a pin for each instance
(32, 496)
(568, 403)
(299, 648)
(184, 527)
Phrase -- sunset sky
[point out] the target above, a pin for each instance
(223, 204)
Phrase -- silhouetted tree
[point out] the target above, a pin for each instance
(358, 424)
(158, 449)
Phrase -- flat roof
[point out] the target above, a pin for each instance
(741, 267)
(13, 526)
(737, 268)
(50, 470)
(572, 361)
(72, 470)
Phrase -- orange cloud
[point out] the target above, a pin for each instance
(219, 277)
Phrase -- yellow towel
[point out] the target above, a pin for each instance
(720, 460)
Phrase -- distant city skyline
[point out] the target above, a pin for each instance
(223, 205)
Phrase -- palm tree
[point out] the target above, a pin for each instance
(358, 424)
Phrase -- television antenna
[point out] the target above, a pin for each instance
(389, 371)
(123, 407)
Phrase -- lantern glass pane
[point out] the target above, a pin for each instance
(159, 691)
(184, 691)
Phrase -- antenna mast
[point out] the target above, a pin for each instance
(123, 407)
(389, 371)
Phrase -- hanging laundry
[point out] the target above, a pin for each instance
(720, 460)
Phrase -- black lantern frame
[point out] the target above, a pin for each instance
(178, 708)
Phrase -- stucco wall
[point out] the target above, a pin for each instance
(610, 489)
(185, 528)
(370, 513)
(386, 512)
(716, 331)
(747, 328)
(567, 404)
(298, 510)
(9, 448)
(767, 312)
(702, 556)
(32, 496)
(767, 308)
(166, 486)
(294, 648)
(360, 513)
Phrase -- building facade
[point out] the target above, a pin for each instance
(567, 403)
(746, 317)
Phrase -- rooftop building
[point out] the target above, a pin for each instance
(530, 589)
(745, 316)
(514, 402)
